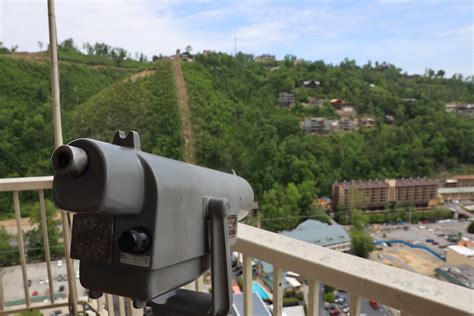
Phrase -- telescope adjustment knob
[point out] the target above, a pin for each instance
(136, 240)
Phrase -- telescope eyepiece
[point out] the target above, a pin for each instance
(69, 161)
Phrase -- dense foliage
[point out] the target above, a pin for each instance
(239, 125)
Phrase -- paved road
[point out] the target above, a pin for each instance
(457, 208)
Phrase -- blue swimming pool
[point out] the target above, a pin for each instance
(257, 288)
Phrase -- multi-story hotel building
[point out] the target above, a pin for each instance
(376, 194)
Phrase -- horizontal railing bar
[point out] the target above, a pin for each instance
(404, 290)
(32, 307)
(27, 183)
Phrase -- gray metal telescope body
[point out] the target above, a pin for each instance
(120, 188)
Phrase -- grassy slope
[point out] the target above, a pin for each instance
(147, 104)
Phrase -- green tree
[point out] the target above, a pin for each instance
(361, 240)
(34, 238)
(8, 253)
(470, 228)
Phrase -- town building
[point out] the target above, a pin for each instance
(466, 180)
(286, 99)
(456, 193)
(462, 275)
(330, 236)
(376, 194)
(460, 255)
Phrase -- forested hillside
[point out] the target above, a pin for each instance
(237, 122)
(239, 125)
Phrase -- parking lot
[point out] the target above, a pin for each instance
(420, 233)
(12, 281)
(435, 236)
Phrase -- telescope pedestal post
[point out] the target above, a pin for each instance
(191, 303)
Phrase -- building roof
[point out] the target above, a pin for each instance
(416, 181)
(456, 190)
(259, 308)
(464, 177)
(293, 282)
(462, 275)
(366, 184)
(319, 233)
(465, 251)
(293, 311)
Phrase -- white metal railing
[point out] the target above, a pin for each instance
(411, 293)
(40, 184)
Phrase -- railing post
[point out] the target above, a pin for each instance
(355, 305)
(2, 296)
(313, 297)
(247, 285)
(71, 276)
(133, 311)
(199, 284)
(100, 305)
(47, 256)
(21, 246)
(121, 302)
(277, 291)
(110, 304)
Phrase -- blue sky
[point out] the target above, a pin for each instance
(413, 35)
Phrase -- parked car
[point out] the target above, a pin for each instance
(61, 288)
(60, 263)
(435, 243)
(41, 282)
(429, 240)
(339, 299)
(35, 293)
(374, 304)
(345, 308)
(334, 312)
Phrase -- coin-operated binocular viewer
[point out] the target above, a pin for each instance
(145, 225)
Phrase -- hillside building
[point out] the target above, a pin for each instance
(461, 109)
(367, 121)
(286, 99)
(311, 84)
(376, 194)
(265, 58)
(316, 125)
